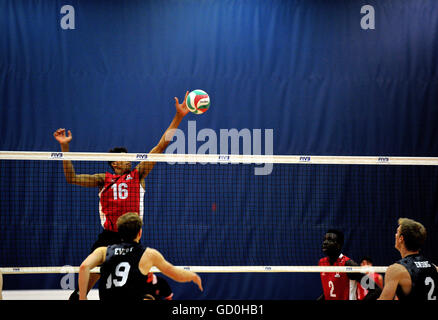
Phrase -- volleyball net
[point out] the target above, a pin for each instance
(218, 213)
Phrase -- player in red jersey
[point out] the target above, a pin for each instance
(121, 191)
(158, 288)
(341, 285)
(378, 279)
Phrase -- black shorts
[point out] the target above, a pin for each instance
(105, 239)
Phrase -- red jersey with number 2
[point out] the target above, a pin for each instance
(120, 194)
(337, 285)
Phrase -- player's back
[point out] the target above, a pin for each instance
(424, 278)
(121, 278)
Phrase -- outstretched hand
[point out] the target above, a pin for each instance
(181, 108)
(61, 137)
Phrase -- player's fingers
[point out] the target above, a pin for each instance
(199, 283)
(57, 132)
(69, 134)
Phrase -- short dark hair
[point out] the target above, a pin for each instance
(413, 232)
(129, 225)
(366, 258)
(116, 150)
(339, 234)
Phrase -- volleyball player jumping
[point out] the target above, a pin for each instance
(121, 191)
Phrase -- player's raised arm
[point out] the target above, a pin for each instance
(181, 111)
(85, 180)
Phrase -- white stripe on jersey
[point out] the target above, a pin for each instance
(141, 208)
(101, 214)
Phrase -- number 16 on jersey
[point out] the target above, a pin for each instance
(120, 191)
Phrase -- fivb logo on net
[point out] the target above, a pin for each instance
(230, 141)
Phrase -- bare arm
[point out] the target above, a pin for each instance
(181, 111)
(84, 180)
(152, 257)
(93, 260)
(393, 277)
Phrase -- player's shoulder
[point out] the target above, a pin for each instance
(111, 248)
(344, 257)
(397, 272)
(151, 252)
(106, 176)
(396, 269)
(101, 253)
(323, 261)
(349, 262)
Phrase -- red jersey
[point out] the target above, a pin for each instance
(337, 285)
(120, 194)
(362, 292)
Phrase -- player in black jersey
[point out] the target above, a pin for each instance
(413, 277)
(125, 266)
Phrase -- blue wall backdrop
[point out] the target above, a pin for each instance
(305, 69)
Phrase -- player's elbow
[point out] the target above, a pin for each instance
(84, 267)
(70, 179)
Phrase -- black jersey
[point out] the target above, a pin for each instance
(424, 277)
(121, 278)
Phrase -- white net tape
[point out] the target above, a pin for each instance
(217, 158)
(212, 269)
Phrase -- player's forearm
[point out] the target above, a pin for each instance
(175, 273)
(182, 275)
(84, 277)
(69, 170)
(65, 147)
(168, 134)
